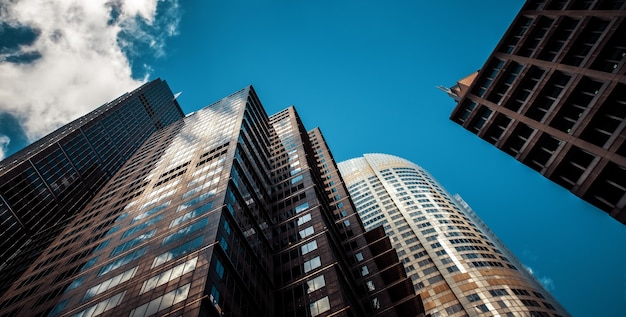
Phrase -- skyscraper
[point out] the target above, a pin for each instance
(227, 212)
(553, 95)
(458, 266)
(44, 185)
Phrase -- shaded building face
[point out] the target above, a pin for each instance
(553, 95)
(455, 262)
(225, 212)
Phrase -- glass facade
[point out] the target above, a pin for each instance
(227, 211)
(456, 263)
(44, 185)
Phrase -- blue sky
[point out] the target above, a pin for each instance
(364, 72)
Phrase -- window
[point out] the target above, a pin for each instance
(376, 303)
(370, 285)
(482, 308)
(315, 284)
(103, 306)
(192, 214)
(149, 212)
(498, 292)
(364, 270)
(530, 303)
(169, 275)
(223, 243)
(306, 232)
(185, 231)
(517, 291)
(309, 247)
(304, 219)
(110, 283)
(121, 261)
(132, 243)
(296, 179)
(359, 256)
(472, 298)
(195, 201)
(162, 302)
(312, 264)
(319, 306)
(302, 207)
(142, 226)
(215, 295)
(219, 268)
(454, 309)
(177, 251)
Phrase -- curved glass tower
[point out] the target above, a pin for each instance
(456, 263)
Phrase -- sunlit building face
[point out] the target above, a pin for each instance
(457, 265)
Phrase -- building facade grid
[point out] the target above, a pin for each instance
(553, 95)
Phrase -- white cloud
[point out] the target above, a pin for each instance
(547, 282)
(83, 47)
(4, 141)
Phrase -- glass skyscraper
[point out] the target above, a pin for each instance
(44, 185)
(457, 265)
(226, 212)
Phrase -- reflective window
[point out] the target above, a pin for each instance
(89, 264)
(312, 264)
(223, 244)
(370, 285)
(309, 247)
(102, 306)
(376, 303)
(364, 270)
(177, 251)
(77, 282)
(319, 306)
(102, 245)
(160, 303)
(132, 243)
(185, 231)
(192, 214)
(194, 201)
(215, 295)
(302, 207)
(306, 232)
(315, 284)
(121, 261)
(296, 179)
(304, 219)
(150, 212)
(226, 227)
(110, 283)
(200, 188)
(142, 226)
(169, 275)
(219, 268)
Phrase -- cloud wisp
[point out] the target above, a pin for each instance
(547, 282)
(63, 58)
(4, 142)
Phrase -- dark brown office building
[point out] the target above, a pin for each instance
(553, 95)
(226, 212)
(45, 184)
